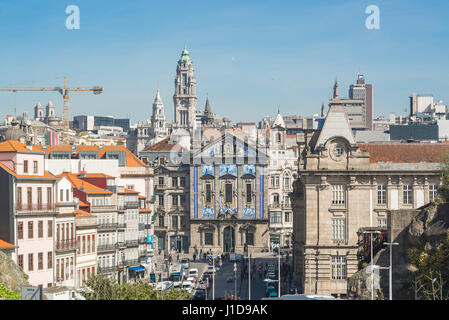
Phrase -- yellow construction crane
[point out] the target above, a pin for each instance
(64, 91)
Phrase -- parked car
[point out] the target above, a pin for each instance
(211, 269)
(199, 295)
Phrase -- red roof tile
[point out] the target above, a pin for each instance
(405, 152)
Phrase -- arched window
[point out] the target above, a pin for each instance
(287, 181)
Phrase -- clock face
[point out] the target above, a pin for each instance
(337, 151)
(185, 103)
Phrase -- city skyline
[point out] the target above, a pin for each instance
(242, 63)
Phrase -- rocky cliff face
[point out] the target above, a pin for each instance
(11, 275)
(423, 228)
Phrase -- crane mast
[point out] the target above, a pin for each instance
(65, 96)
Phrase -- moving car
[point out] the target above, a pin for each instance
(185, 263)
(187, 286)
(211, 269)
(191, 279)
(193, 272)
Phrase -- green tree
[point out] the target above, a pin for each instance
(101, 287)
(6, 294)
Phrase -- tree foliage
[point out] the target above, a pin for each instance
(101, 287)
(6, 294)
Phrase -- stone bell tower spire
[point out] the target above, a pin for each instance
(185, 98)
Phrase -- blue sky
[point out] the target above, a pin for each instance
(249, 56)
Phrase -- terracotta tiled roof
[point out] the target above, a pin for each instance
(81, 184)
(131, 159)
(142, 197)
(144, 210)
(405, 152)
(47, 175)
(13, 146)
(84, 204)
(95, 175)
(163, 145)
(6, 245)
(125, 190)
(82, 214)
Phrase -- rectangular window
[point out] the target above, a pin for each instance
(19, 230)
(40, 229)
(338, 229)
(30, 229)
(67, 195)
(20, 260)
(161, 221)
(161, 200)
(19, 197)
(40, 261)
(228, 193)
(250, 238)
(161, 181)
(208, 194)
(30, 262)
(84, 245)
(61, 195)
(50, 229)
(49, 198)
(182, 181)
(407, 193)
(50, 259)
(382, 222)
(35, 166)
(30, 197)
(174, 181)
(175, 200)
(338, 194)
(78, 245)
(93, 243)
(275, 217)
(382, 194)
(286, 182)
(249, 193)
(287, 217)
(174, 220)
(88, 243)
(433, 189)
(25, 166)
(209, 238)
(182, 200)
(338, 268)
(39, 198)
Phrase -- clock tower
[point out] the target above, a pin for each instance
(185, 98)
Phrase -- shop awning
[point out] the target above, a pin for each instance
(137, 269)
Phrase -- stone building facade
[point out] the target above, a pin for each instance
(228, 198)
(343, 186)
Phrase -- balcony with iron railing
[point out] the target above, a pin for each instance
(107, 226)
(275, 205)
(121, 244)
(104, 270)
(65, 245)
(132, 243)
(106, 247)
(121, 225)
(30, 208)
(103, 208)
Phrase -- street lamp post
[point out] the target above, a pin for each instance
(391, 244)
(279, 273)
(371, 232)
(213, 278)
(235, 280)
(249, 276)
